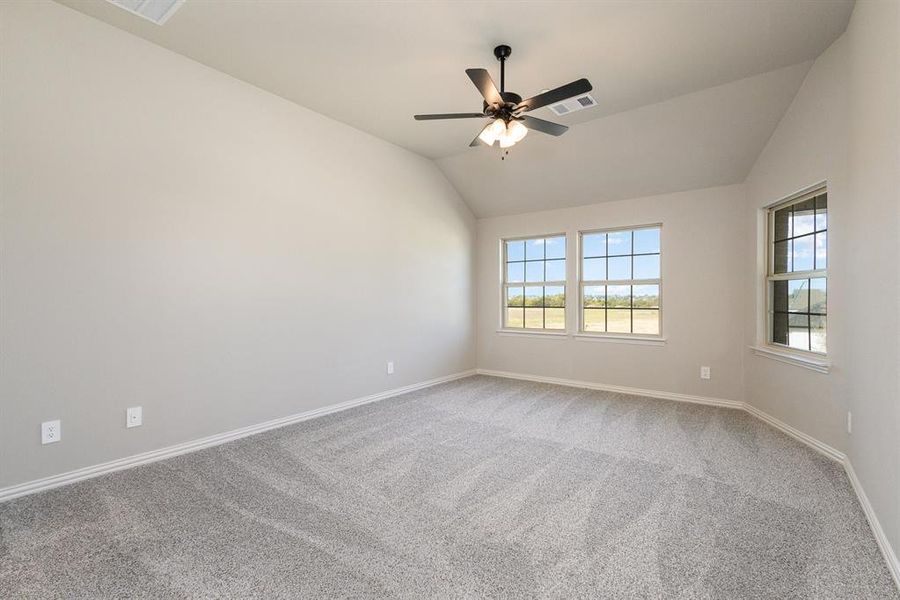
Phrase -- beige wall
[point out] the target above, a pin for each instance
(873, 318)
(701, 258)
(844, 127)
(809, 146)
(177, 239)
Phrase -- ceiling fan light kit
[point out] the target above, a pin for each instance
(509, 123)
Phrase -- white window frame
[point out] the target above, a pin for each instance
(505, 285)
(607, 282)
(771, 277)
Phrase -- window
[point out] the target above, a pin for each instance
(534, 283)
(797, 272)
(620, 281)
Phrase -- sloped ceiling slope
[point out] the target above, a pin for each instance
(698, 140)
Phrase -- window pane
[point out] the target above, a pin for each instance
(782, 256)
(515, 296)
(534, 318)
(515, 317)
(798, 320)
(618, 320)
(822, 250)
(646, 267)
(817, 295)
(534, 249)
(780, 296)
(629, 255)
(594, 319)
(780, 328)
(619, 296)
(803, 253)
(646, 296)
(556, 270)
(595, 296)
(798, 326)
(534, 296)
(555, 296)
(534, 271)
(798, 295)
(594, 269)
(783, 223)
(821, 212)
(515, 272)
(619, 243)
(555, 318)
(646, 241)
(817, 334)
(515, 250)
(556, 247)
(593, 244)
(646, 321)
(804, 217)
(619, 267)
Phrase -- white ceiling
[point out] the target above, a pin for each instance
(374, 64)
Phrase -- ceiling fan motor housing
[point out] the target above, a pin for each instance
(510, 99)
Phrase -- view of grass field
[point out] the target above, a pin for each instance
(618, 320)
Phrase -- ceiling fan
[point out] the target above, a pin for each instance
(506, 110)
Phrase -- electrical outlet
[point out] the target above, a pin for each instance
(51, 431)
(390, 367)
(134, 416)
(704, 372)
(849, 422)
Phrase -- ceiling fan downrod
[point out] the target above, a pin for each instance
(502, 52)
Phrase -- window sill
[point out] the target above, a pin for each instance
(533, 333)
(621, 339)
(792, 358)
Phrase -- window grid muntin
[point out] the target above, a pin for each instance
(606, 283)
(507, 285)
(814, 196)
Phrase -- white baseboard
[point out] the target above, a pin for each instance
(819, 446)
(883, 544)
(40, 485)
(616, 388)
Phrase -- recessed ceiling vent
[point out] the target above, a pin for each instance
(572, 104)
(157, 11)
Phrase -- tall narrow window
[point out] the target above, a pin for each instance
(797, 273)
(620, 281)
(534, 283)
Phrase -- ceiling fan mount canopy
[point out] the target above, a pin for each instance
(510, 107)
(502, 52)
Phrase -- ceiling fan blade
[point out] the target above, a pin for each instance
(582, 86)
(477, 141)
(544, 126)
(482, 80)
(450, 116)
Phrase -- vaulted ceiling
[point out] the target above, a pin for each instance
(688, 92)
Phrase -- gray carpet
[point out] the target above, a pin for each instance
(480, 487)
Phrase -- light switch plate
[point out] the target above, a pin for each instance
(704, 372)
(134, 416)
(390, 367)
